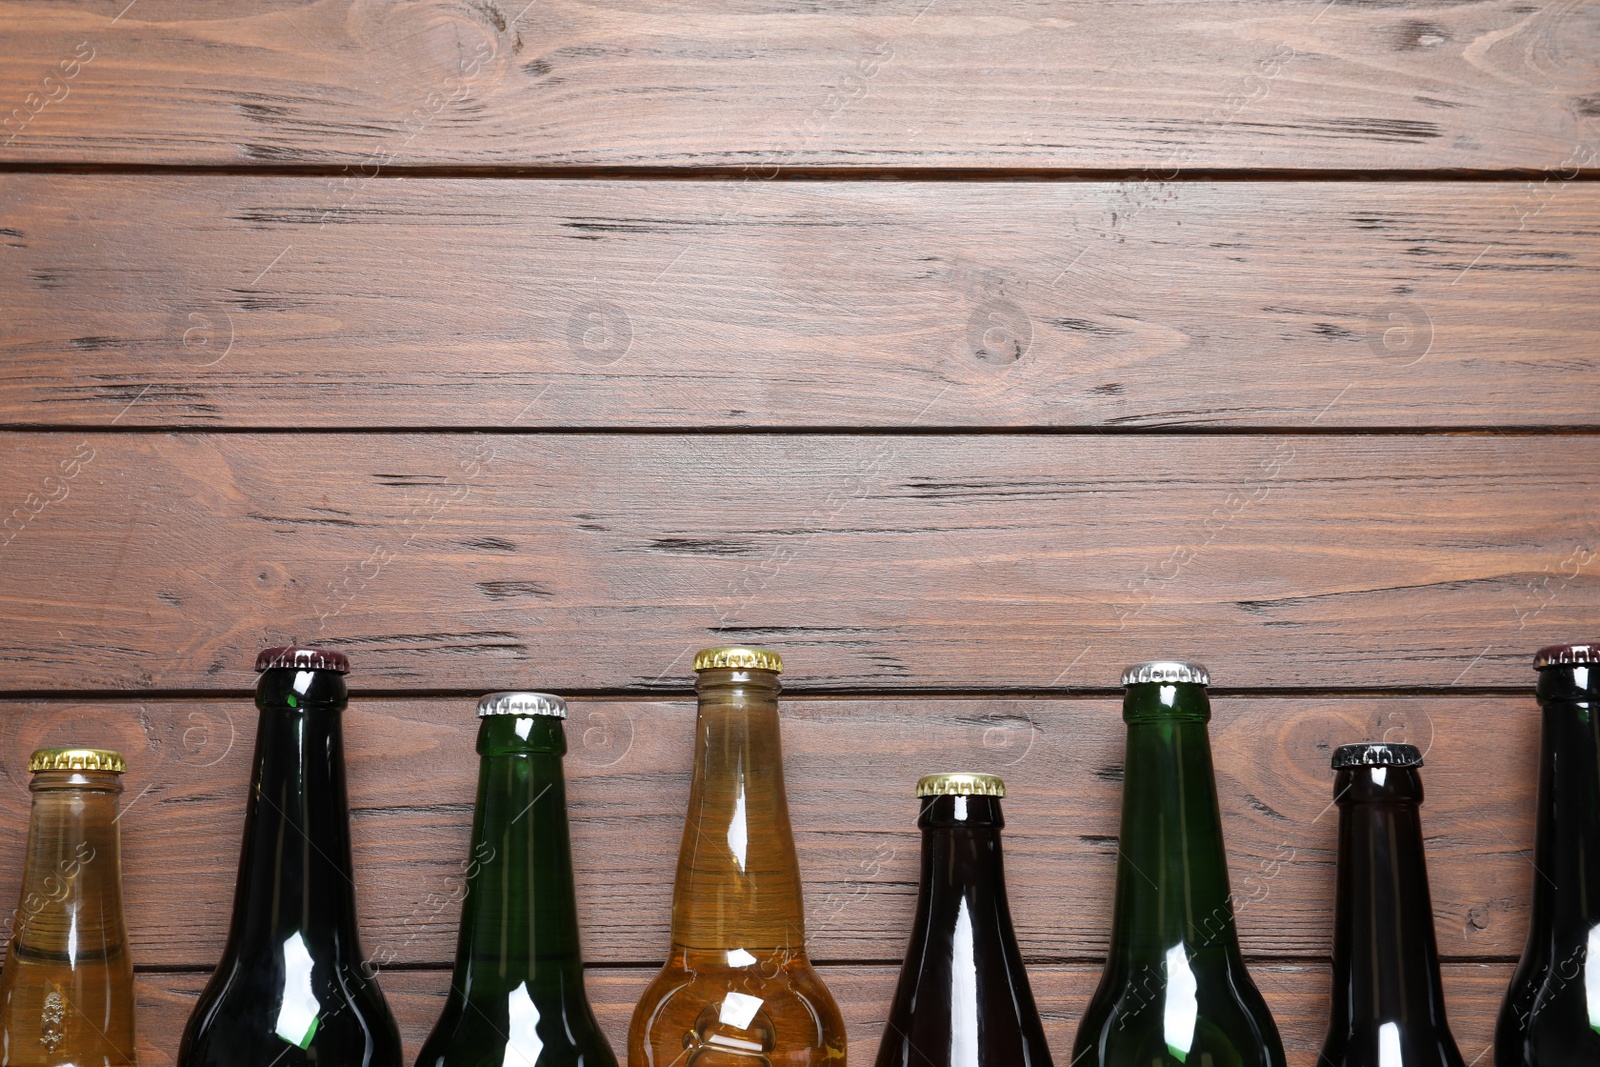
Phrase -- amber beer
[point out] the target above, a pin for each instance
(737, 989)
(66, 995)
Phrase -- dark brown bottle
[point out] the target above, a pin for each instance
(1551, 1013)
(292, 989)
(1388, 1004)
(963, 998)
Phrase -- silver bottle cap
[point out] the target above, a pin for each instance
(1166, 670)
(522, 704)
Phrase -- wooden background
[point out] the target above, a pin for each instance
(964, 352)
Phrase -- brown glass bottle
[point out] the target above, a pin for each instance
(66, 994)
(963, 999)
(737, 989)
(1388, 1004)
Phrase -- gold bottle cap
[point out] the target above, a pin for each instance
(960, 784)
(77, 759)
(739, 659)
(522, 704)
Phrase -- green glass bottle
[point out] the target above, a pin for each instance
(516, 997)
(1174, 990)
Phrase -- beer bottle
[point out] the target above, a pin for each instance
(1388, 1004)
(1551, 1013)
(66, 993)
(963, 999)
(516, 996)
(737, 989)
(292, 989)
(1174, 990)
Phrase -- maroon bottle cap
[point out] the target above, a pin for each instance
(301, 658)
(1376, 754)
(1567, 655)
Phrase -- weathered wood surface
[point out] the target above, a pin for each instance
(1297, 995)
(958, 83)
(851, 765)
(139, 561)
(313, 302)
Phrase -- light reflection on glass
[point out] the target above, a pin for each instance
(1389, 1045)
(738, 1009)
(298, 1005)
(738, 957)
(738, 833)
(522, 1025)
(1591, 977)
(963, 992)
(1182, 1009)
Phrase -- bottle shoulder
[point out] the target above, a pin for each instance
(775, 1006)
(1138, 1015)
(255, 1016)
(489, 1032)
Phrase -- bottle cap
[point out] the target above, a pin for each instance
(301, 658)
(1567, 655)
(960, 784)
(522, 704)
(1376, 754)
(77, 759)
(739, 659)
(1166, 670)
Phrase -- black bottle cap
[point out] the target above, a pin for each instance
(301, 658)
(1568, 655)
(1376, 754)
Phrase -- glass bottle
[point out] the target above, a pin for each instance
(1551, 1013)
(963, 999)
(1388, 1003)
(1174, 990)
(737, 989)
(292, 990)
(516, 996)
(66, 992)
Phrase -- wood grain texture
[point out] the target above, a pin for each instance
(601, 562)
(1297, 995)
(1249, 83)
(850, 767)
(310, 302)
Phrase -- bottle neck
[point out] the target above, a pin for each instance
(738, 883)
(962, 893)
(70, 908)
(1566, 894)
(1385, 959)
(1172, 872)
(519, 921)
(296, 879)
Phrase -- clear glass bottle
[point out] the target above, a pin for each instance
(737, 989)
(66, 993)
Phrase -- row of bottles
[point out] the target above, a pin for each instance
(293, 988)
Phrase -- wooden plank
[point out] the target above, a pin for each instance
(249, 302)
(1247, 83)
(1297, 995)
(138, 561)
(850, 765)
